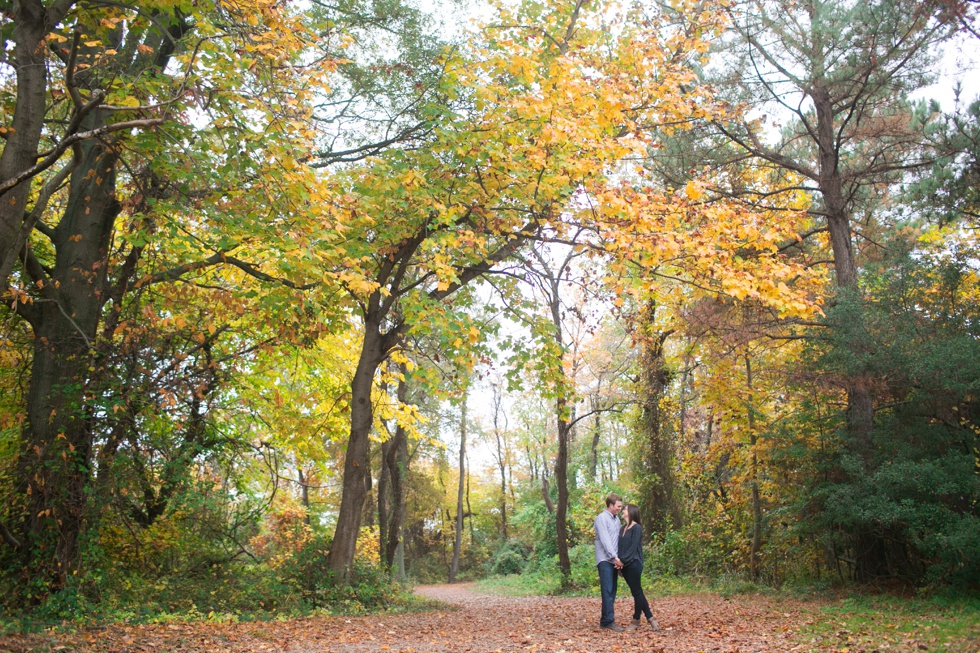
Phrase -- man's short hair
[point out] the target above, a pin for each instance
(611, 499)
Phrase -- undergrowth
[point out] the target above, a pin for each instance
(940, 623)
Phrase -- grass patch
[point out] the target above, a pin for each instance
(676, 586)
(399, 600)
(548, 584)
(413, 603)
(940, 625)
(527, 584)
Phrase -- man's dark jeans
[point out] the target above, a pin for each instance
(632, 575)
(608, 580)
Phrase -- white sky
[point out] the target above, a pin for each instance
(960, 65)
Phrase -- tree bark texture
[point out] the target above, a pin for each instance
(54, 466)
(55, 459)
(659, 504)
(546, 495)
(383, 502)
(502, 464)
(32, 21)
(458, 528)
(755, 548)
(357, 461)
(860, 404)
(550, 285)
(594, 444)
(304, 497)
(391, 497)
(561, 479)
(501, 460)
(469, 507)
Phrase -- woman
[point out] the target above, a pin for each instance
(631, 555)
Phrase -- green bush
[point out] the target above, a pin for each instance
(955, 552)
(584, 575)
(507, 562)
(510, 558)
(539, 527)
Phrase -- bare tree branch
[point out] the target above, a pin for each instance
(54, 154)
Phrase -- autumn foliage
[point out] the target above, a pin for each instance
(307, 300)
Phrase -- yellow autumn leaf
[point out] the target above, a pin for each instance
(693, 191)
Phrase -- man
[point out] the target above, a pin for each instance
(607, 560)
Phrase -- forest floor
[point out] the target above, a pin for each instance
(478, 623)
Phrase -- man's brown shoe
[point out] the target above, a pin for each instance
(616, 628)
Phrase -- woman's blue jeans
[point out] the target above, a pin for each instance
(608, 579)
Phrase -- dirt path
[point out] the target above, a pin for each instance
(571, 625)
(476, 623)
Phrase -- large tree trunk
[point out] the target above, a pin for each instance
(596, 439)
(383, 501)
(401, 533)
(367, 518)
(658, 495)
(469, 508)
(561, 478)
(55, 459)
(458, 533)
(383, 475)
(860, 405)
(391, 496)
(860, 402)
(754, 549)
(396, 461)
(357, 461)
(54, 464)
(32, 21)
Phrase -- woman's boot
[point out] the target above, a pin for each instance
(653, 623)
(633, 625)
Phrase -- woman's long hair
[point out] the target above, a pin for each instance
(633, 513)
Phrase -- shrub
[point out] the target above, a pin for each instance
(507, 561)
(511, 558)
(584, 575)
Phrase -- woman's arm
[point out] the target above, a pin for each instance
(639, 543)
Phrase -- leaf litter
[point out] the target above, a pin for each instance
(479, 623)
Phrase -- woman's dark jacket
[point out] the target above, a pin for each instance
(631, 546)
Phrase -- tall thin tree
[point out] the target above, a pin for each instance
(458, 529)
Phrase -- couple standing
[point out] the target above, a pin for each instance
(619, 550)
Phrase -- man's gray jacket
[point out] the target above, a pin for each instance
(606, 537)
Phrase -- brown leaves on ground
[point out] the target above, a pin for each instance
(476, 624)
